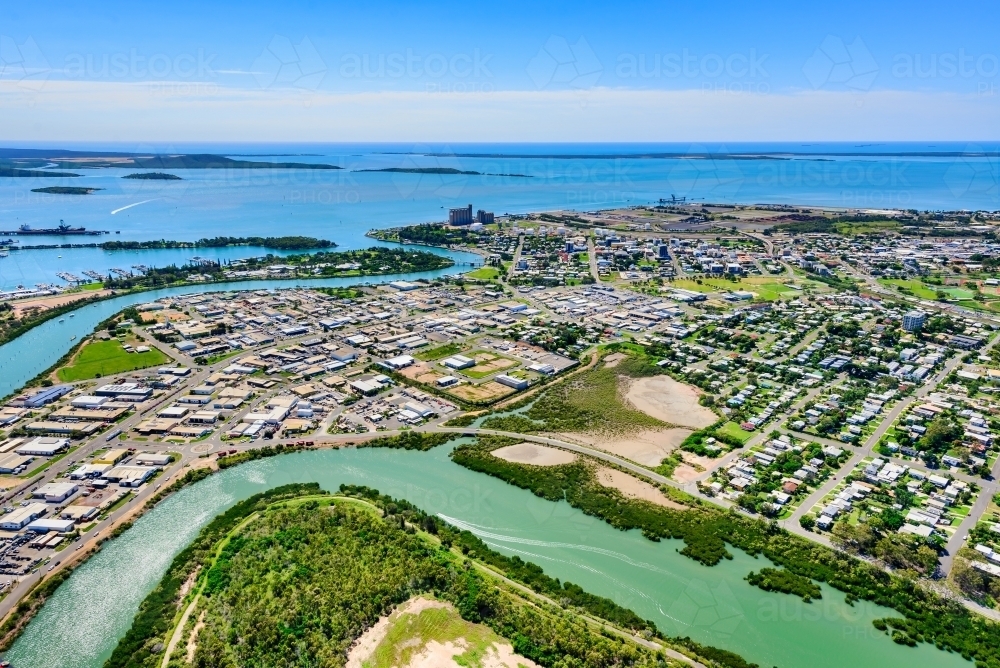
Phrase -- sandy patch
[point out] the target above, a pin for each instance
(699, 468)
(614, 359)
(192, 643)
(537, 455)
(428, 378)
(416, 370)
(45, 303)
(633, 488)
(648, 447)
(434, 654)
(186, 587)
(666, 399)
(369, 641)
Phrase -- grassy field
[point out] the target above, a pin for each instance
(766, 288)
(705, 286)
(590, 402)
(733, 429)
(104, 358)
(959, 293)
(484, 273)
(917, 288)
(440, 352)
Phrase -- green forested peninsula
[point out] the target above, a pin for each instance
(277, 243)
(293, 576)
(374, 261)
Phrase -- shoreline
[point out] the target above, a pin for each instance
(169, 484)
(86, 301)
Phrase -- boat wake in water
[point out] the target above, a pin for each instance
(129, 206)
(485, 534)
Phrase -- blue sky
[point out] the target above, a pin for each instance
(500, 72)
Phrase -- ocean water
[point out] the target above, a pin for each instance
(341, 205)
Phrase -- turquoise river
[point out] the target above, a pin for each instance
(83, 621)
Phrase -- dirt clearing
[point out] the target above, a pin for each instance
(648, 447)
(633, 488)
(366, 644)
(666, 399)
(46, 303)
(405, 638)
(534, 454)
(483, 392)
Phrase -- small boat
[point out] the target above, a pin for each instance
(62, 319)
(72, 337)
(72, 315)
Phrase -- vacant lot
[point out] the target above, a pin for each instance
(484, 273)
(105, 358)
(485, 392)
(633, 488)
(440, 352)
(668, 400)
(46, 303)
(648, 447)
(488, 363)
(532, 453)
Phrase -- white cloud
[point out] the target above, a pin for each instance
(114, 111)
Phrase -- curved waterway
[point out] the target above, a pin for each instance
(28, 355)
(82, 622)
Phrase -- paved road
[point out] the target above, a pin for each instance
(592, 256)
(517, 256)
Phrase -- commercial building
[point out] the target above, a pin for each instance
(130, 476)
(459, 362)
(112, 456)
(11, 462)
(152, 459)
(51, 524)
(125, 392)
(55, 492)
(43, 447)
(47, 396)
(462, 216)
(510, 381)
(400, 362)
(88, 402)
(78, 513)
(914, 320)
(21, 517)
